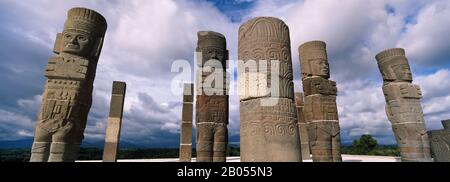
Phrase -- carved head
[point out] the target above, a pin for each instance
(446, 124)
(83, 33)
(212, 45)
(393, 65)
(313, 59)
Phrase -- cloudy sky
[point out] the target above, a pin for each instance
(145, 37)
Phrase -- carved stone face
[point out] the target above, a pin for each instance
(214, 53)
(320, 67)
(402, 71)
(77, 42)
(446, 124)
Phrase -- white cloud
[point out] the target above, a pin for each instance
(426, 41)
(14, 119)
(436, 97)
(435, 84)
(361, 111)
(15, 125)
(25, 133)
(31, 104)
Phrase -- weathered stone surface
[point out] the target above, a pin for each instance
(302, 127)
(187, 111)
(314, 60)
(186, 132)
(446, 124)
(212, 97)
(67, 97)
(268, 132)
(212, 109)
(320, 110)
(186, 123)
(212, 140)
(188, 92)
(403, 107)
(440, 142)
(185, 152)
(112, 134)
(261, 41)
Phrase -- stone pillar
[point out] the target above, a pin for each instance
(440, 142)
(269, 128)
(112, 134)
(302, 127)
(67, 97)
(320, 108)
(403, 107)
(186, 123)
(212, 97)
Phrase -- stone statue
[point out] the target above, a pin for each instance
(320, 108)
(403, 107)
(440, 142)
(302, 127)
(186, 123)
(67, 97)
(269, 132)
(112, 135)
(212, 98)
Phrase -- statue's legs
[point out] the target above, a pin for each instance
(65, 144)
(40, 150)
(336, 143)
(413, 146)
(220, 142)
(426, 148)
(412, 152)
(205, 142)
(322, 147)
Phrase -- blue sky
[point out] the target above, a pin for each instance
(145, 37)
(234, 10)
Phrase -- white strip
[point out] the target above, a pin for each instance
(408, 123)
(211, 123)
(315, 95)
(318, 121)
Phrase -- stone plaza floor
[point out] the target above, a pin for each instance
(345, 158)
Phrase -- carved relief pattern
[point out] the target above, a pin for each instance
(264, 129)
(272, 43)
(67, 96)
(320, 108)
(279, 120)
(440, 144)
(212, 110)
(403, 107)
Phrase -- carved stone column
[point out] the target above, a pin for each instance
(212, 98)
(320, 108)
(67, 97)
(302, 127)
(403, 107)
(269, 127)
(186, 123)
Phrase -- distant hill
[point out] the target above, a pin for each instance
(170, 143)
(28, 142)
(24, 143)
(101, 143)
